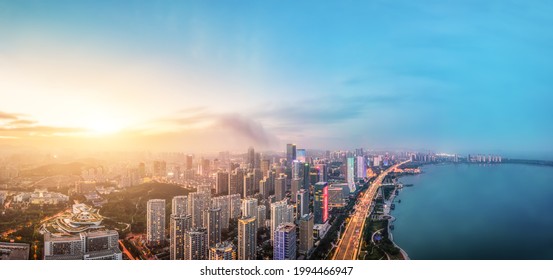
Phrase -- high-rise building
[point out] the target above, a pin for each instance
(142, 170)
(306, 234)
(189, 159)
(281, 213)
(323, 174)
(222, 251)
(350, 174)
(264, 188)
(320, 203)
(305, 173)
(265, 166)
(261, 216)
(257, 177)
(285, 242)
(235, 206)
(280, 187)
(236, 182)
(337, 196)
(198, 202)
(222, 183)
(222, 202)
(302, 203)
(247, 237)
(361, 167)
(296, 186)
(179, 225)
(195, 244)
(249, 207)
(179, 205)
(248, 185)
(95, 245)
(290, 153)
(301, 155)
(250, 160)
(155, 220)
(212, 222)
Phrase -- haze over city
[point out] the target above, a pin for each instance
(191, 76)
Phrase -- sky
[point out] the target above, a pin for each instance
(448, 76)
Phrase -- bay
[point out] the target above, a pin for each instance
(476, 212)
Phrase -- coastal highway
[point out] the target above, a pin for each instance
(348, 245)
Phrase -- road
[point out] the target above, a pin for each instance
(348, 246)
(126, 251)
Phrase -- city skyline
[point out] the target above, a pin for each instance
(451, 77)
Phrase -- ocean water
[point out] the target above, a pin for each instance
(476, 212)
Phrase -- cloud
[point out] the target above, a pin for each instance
(8, 116)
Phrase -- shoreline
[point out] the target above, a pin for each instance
(390, 221)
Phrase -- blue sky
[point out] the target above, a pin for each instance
(452, 76)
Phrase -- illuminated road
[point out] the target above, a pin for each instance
(125, 251)
(348, 246)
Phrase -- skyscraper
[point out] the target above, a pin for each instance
(222, 251)
(361, 167)
(280, 213)
(248, 185)
(306, 234)
(247, 236)
(320, 203)
(179, 225)
(280, 187)
(323, 174)
(195, 244)
(198, 202)
(250, 160)
(223, 202)
(235, 206)
(222, 183)
(249, 207)
(301, 155)
(261, 216)
(179, 205)
(264, 188)
(236, 182)
(302, 203)
(350, 174)
(155, 220)
(296, 186)
(290, 153)
(189, 159)
(285, 242)
(212, 221)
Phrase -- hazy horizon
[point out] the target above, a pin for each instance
(456, 77)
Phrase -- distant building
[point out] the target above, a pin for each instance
(14, 251)
(222, 183)
(247, 238)
(236, 182)
(290, 153)
(301, 155)
(97, 245)
(361, 167)
(195, 244)
(235, 206)
(155, 220)
(222, 251)
(285, 242)
(249, 208)
(350, 173)
(179, 225)
(249, 185)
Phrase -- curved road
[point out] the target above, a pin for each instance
(348, 246)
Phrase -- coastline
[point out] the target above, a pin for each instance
(390, 221)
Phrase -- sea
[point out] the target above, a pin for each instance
(476, 212)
